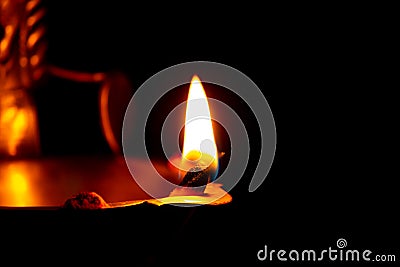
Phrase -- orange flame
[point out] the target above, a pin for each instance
(199, 147)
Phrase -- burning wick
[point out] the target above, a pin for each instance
(196, 176)
(199, 163)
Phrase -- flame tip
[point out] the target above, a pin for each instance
(195, 77)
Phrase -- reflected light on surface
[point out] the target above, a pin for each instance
(15, 187)
(213, 195)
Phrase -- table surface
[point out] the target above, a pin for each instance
(49, 182)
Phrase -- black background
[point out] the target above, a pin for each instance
(326, 78)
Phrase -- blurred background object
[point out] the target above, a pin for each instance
(19, 135)
(47, 109)
(23, 43)
(22, 50)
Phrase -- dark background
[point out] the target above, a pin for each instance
(327, 81)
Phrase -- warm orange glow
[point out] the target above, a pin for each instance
(18, 183)
(3, 45)
(8, 114)
(23, 61)
(31, 5)
(15, 187)
(6, 43)
(105, 120)
(76, 76)
(34, 60)
(18, 128)
(32, 20)
(17, 125)
(199, 143)
(35, 36)
(213, 195)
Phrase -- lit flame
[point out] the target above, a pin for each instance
(199, 146)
